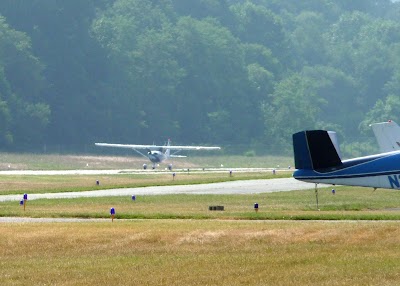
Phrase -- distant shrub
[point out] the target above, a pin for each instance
(250, 153)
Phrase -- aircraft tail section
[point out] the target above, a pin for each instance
(167, 150)
(388, 135)
(316, 149)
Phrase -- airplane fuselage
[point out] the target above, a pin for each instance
(377, 171)
(156, 156)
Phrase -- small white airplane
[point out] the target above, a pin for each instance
(388, 135)
(157, 154)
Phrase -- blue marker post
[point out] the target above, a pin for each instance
(256, 207)
(25, 199)
(333, 191)
(230, 173)
(112, 212)
(173, 176)
(133, 198)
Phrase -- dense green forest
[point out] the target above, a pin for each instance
(226, 72)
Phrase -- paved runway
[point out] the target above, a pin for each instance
(232, 187)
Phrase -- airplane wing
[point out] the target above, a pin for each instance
(133, 147)
(191, 147)
(388, 135)
(129, 146)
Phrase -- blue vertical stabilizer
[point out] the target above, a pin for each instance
(313, 149)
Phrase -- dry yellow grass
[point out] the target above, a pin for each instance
(198, 252)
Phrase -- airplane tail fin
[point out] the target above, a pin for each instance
(388, 135)
(316, 149)
(167, 150)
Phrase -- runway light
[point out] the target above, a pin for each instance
(112, 213)
(25, 199)
(256, 207)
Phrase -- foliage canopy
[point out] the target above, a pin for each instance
(215, 71)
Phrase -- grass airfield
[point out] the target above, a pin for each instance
(200, 252)
(353, 239)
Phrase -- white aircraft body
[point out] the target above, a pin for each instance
(157, 154)
(388, 135)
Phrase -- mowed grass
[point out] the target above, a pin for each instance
(32, 184)
(15, 161)
(349, 203)
(200, 252)
(353, 239)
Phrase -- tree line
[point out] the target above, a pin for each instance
(237, 72)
